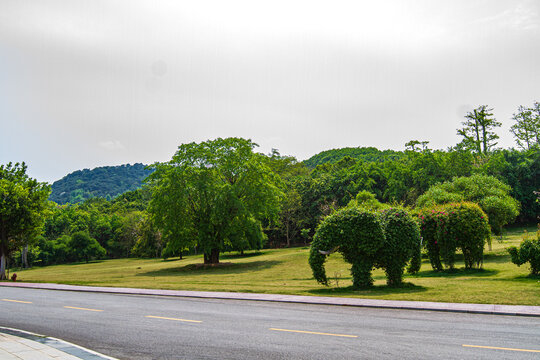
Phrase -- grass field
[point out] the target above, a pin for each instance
(286, 271)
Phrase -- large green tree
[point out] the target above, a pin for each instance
(210, 193)
(478, 130)
(23, 203)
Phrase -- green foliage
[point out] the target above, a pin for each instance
(367, 154)
(23, 206)
(357, 234)
(105, 182)
(490, 193)
(477, 132)
(83, 247)
(402, 241)
(149, 244)
(367, 200)
(468, 224)
(432, 224)
(528, 252)
(446, 228)
(209, 192)
(387, 239)
(522, 173)
(526, 129)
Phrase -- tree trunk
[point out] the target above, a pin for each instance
(213, 258)
(25, 257)
(3, 267)
(288, 238)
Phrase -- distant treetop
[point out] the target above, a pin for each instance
(368, 154)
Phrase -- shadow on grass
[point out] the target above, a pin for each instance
(405, 288)
(240, 256)
(221, 268)
(454, 273)
(524, 278)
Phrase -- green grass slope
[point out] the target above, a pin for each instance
(286, 271)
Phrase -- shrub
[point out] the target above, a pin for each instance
(469, 226)
(84, 247)
(528, 251)
(431, 221)
(402, 240)
(491, 194)
(448, 227)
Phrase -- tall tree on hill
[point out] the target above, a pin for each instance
(23, 203)
(478, 130)
(210, 190)
(526, 129)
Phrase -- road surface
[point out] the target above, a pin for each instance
(153, 327)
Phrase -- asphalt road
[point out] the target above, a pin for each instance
(152, 327)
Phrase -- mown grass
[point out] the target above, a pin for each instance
(286, 271)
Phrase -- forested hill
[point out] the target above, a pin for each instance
(369, 154)
(106, 182)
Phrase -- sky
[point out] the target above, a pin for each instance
(97, 83)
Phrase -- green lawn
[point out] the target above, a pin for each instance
(286, 271)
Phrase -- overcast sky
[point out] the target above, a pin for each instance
(95, 83)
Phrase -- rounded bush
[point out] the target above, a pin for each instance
(448, 227)
(528, 252)
(469, 226)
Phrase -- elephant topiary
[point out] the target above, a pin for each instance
(366, 239)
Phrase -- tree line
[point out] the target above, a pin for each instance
(222, 195)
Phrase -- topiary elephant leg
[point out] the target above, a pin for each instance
(394, 274)
(361, 274)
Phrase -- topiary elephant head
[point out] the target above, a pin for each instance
(386, 239)
(357, 234)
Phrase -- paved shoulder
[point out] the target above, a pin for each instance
(492, 309)
(17, 344)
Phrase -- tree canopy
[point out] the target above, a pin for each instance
(490, 193)
(478, 130)
(213, 194)
(23, 203)
(526, 128)
(105, 181)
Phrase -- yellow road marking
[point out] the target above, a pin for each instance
(175, 319)
(79, 308)
(500, 348)
(17, 301)
(313, 332)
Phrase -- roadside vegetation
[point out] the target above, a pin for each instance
(286, 271)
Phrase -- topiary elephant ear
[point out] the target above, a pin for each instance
(357, 234)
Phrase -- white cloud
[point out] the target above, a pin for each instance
(111, 145)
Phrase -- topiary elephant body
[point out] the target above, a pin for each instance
(366, 239)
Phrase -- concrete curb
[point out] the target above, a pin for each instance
(490, 309)
(58, 344)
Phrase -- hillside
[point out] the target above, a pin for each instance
(106, 181)
(369, 154)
